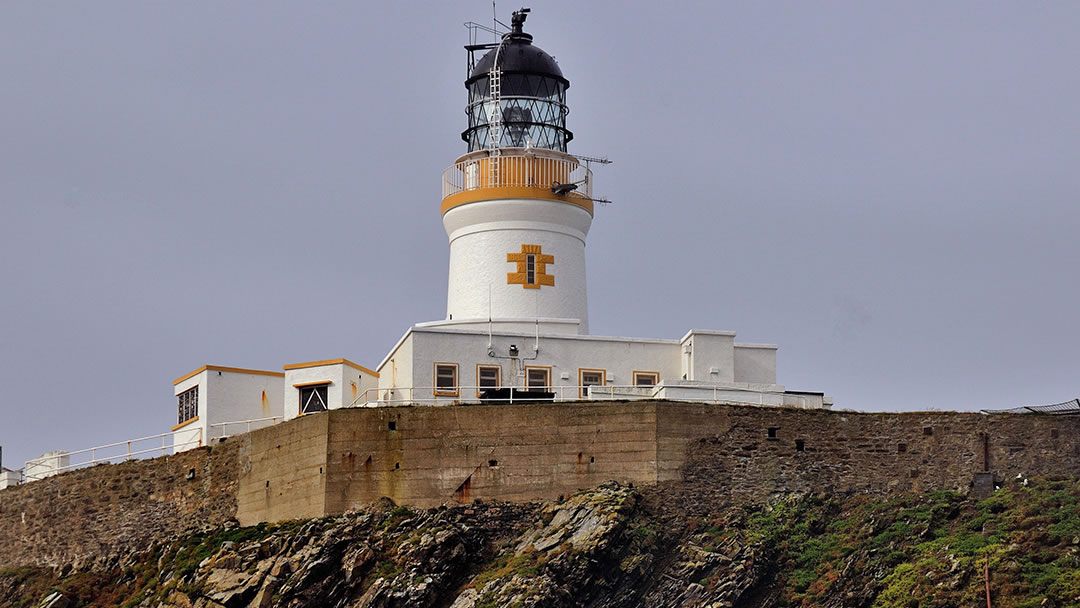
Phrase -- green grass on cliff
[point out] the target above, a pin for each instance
(925, 550)
(903, 551)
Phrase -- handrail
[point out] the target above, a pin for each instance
(273, 420)
(129, 454)
(524, 167)
(375, 397)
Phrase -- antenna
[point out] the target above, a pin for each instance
(589, 160)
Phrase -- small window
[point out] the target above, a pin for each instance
(590, 377)
(646, 378)
(772, 431)
(446, 381)
(537, 378)
(530, 269)
(187, 405)
(800, 445)
(487, 376)
(313, 398)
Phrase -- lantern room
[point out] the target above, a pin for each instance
(525, 97)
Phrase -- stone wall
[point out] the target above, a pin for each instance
(112, 509)
(846, 451)
(425, 456)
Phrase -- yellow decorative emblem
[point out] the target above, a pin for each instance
(531, 268)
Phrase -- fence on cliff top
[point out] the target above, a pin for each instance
(1065, 407)
(55, 463)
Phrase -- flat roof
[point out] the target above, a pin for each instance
(220, 368)
(342, 361)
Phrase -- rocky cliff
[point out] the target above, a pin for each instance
(612, 546)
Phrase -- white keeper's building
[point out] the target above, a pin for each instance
(517, 208)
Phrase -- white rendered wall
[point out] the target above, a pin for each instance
(8, 478)
(235, 396)
(761, 395)
(413, 363)
(565, 355)
(46, 465)
(711, 356)
(227, 397)
(482, 234)
(332, 374)
(755, 363)
(396, 370)
(807, 400)
(193, 434)
(347, 383)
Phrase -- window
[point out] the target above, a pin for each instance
(531, 268)
(589, 377)
(646, 378)
(537, 378)
(187, 405)
(487, 376)
(313, 398)
(446, 383)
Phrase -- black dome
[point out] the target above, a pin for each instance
(518, 56)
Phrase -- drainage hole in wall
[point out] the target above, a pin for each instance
(268, 483)
(772, 432)
(493, 463)
(928, 430)
(397, 465)
(393, 425)
(901, 448)
(800, 445)
(592, 459)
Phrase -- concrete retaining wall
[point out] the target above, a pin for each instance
(331, 462)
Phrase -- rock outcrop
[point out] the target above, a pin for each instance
(610, 547)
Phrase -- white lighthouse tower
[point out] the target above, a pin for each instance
(517, 207)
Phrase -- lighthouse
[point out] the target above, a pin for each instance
(517, 206)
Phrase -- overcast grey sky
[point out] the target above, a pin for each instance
(889, 191)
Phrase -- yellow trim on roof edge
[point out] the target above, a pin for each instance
(292, 366)
(500, 192)
(220, 368)
(313, 383)
(184, 423)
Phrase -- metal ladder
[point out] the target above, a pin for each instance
(494, 120)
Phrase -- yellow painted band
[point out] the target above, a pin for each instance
(184, 423)
(331, 362)
(501, 192)
(313, 383)
(218, 368)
